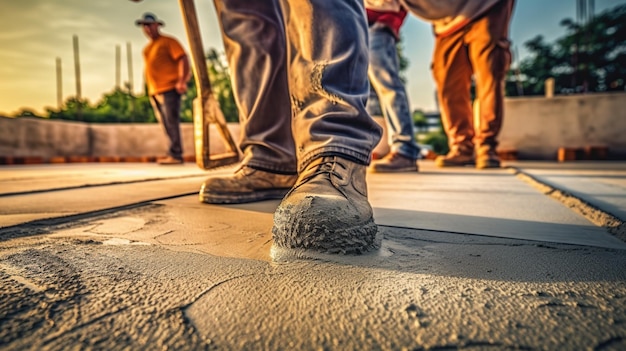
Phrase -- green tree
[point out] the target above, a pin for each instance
(419, 121)
(590, 57)
(186, 103)
(26, 112)
(222, 85)
(114, 107)
(438, 141)
(120, 106)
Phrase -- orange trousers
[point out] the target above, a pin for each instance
(480, 49)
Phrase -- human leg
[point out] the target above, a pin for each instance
(452, 73)
(166, 107)
(383, 73)
(254, 38)
(327, 210)
(327, 51)
(489, 52)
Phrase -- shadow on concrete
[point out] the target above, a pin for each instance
(481, 257)
(456, 255)
(548, 229)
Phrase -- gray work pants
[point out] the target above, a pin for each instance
(299, 73)
(166, 107)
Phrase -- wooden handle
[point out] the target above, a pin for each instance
(206, 107)
(198, 60)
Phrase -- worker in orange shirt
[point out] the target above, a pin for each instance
(166, 73)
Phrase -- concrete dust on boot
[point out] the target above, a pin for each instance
(326, 212)
(320, 232)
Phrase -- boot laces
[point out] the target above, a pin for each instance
(329, 165)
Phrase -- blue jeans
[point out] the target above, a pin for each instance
(390, 93)
(299, 73)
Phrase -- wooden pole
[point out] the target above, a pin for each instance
(133, 107)
(78, 83)
(129, 57)
(59, 84)
(118, 63)
(77, 68)
(198, 59)
(206, 107)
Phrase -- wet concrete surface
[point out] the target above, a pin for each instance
(154, 270)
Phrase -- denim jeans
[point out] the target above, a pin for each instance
(299, 73)
(390, 96)
(166, 107)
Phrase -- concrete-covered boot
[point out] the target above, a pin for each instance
(247, 184)
(327, 211)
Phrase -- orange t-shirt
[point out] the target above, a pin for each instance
(161, 60)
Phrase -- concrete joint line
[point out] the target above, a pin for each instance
(42, 225)
(595, 215)
(83, 186)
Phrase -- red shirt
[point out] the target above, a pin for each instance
(393, 20)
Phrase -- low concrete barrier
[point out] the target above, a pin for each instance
(43, 139)
(537, 127)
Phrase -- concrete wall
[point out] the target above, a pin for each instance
(534, 127)
(36, 137)
(27, 137)
(537, 127)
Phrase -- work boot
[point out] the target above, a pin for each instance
(394, 162)
(327, 211)
(455, 158)
(169, 160)
(247, 184)
(487, 157)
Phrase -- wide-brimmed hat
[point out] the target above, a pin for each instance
(149, 18)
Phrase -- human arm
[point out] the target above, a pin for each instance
(184, 73)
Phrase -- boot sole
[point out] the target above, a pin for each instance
(240, 198)
(454, 164)
(480, 165)
(394, 170)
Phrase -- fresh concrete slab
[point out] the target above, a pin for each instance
(482, 202)
(463, 200)
(39, 192)
(48, 205)
(162, 271)
(140, 278)
(36, 178)
(601, 184)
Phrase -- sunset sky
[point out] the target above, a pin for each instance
(34, 33)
